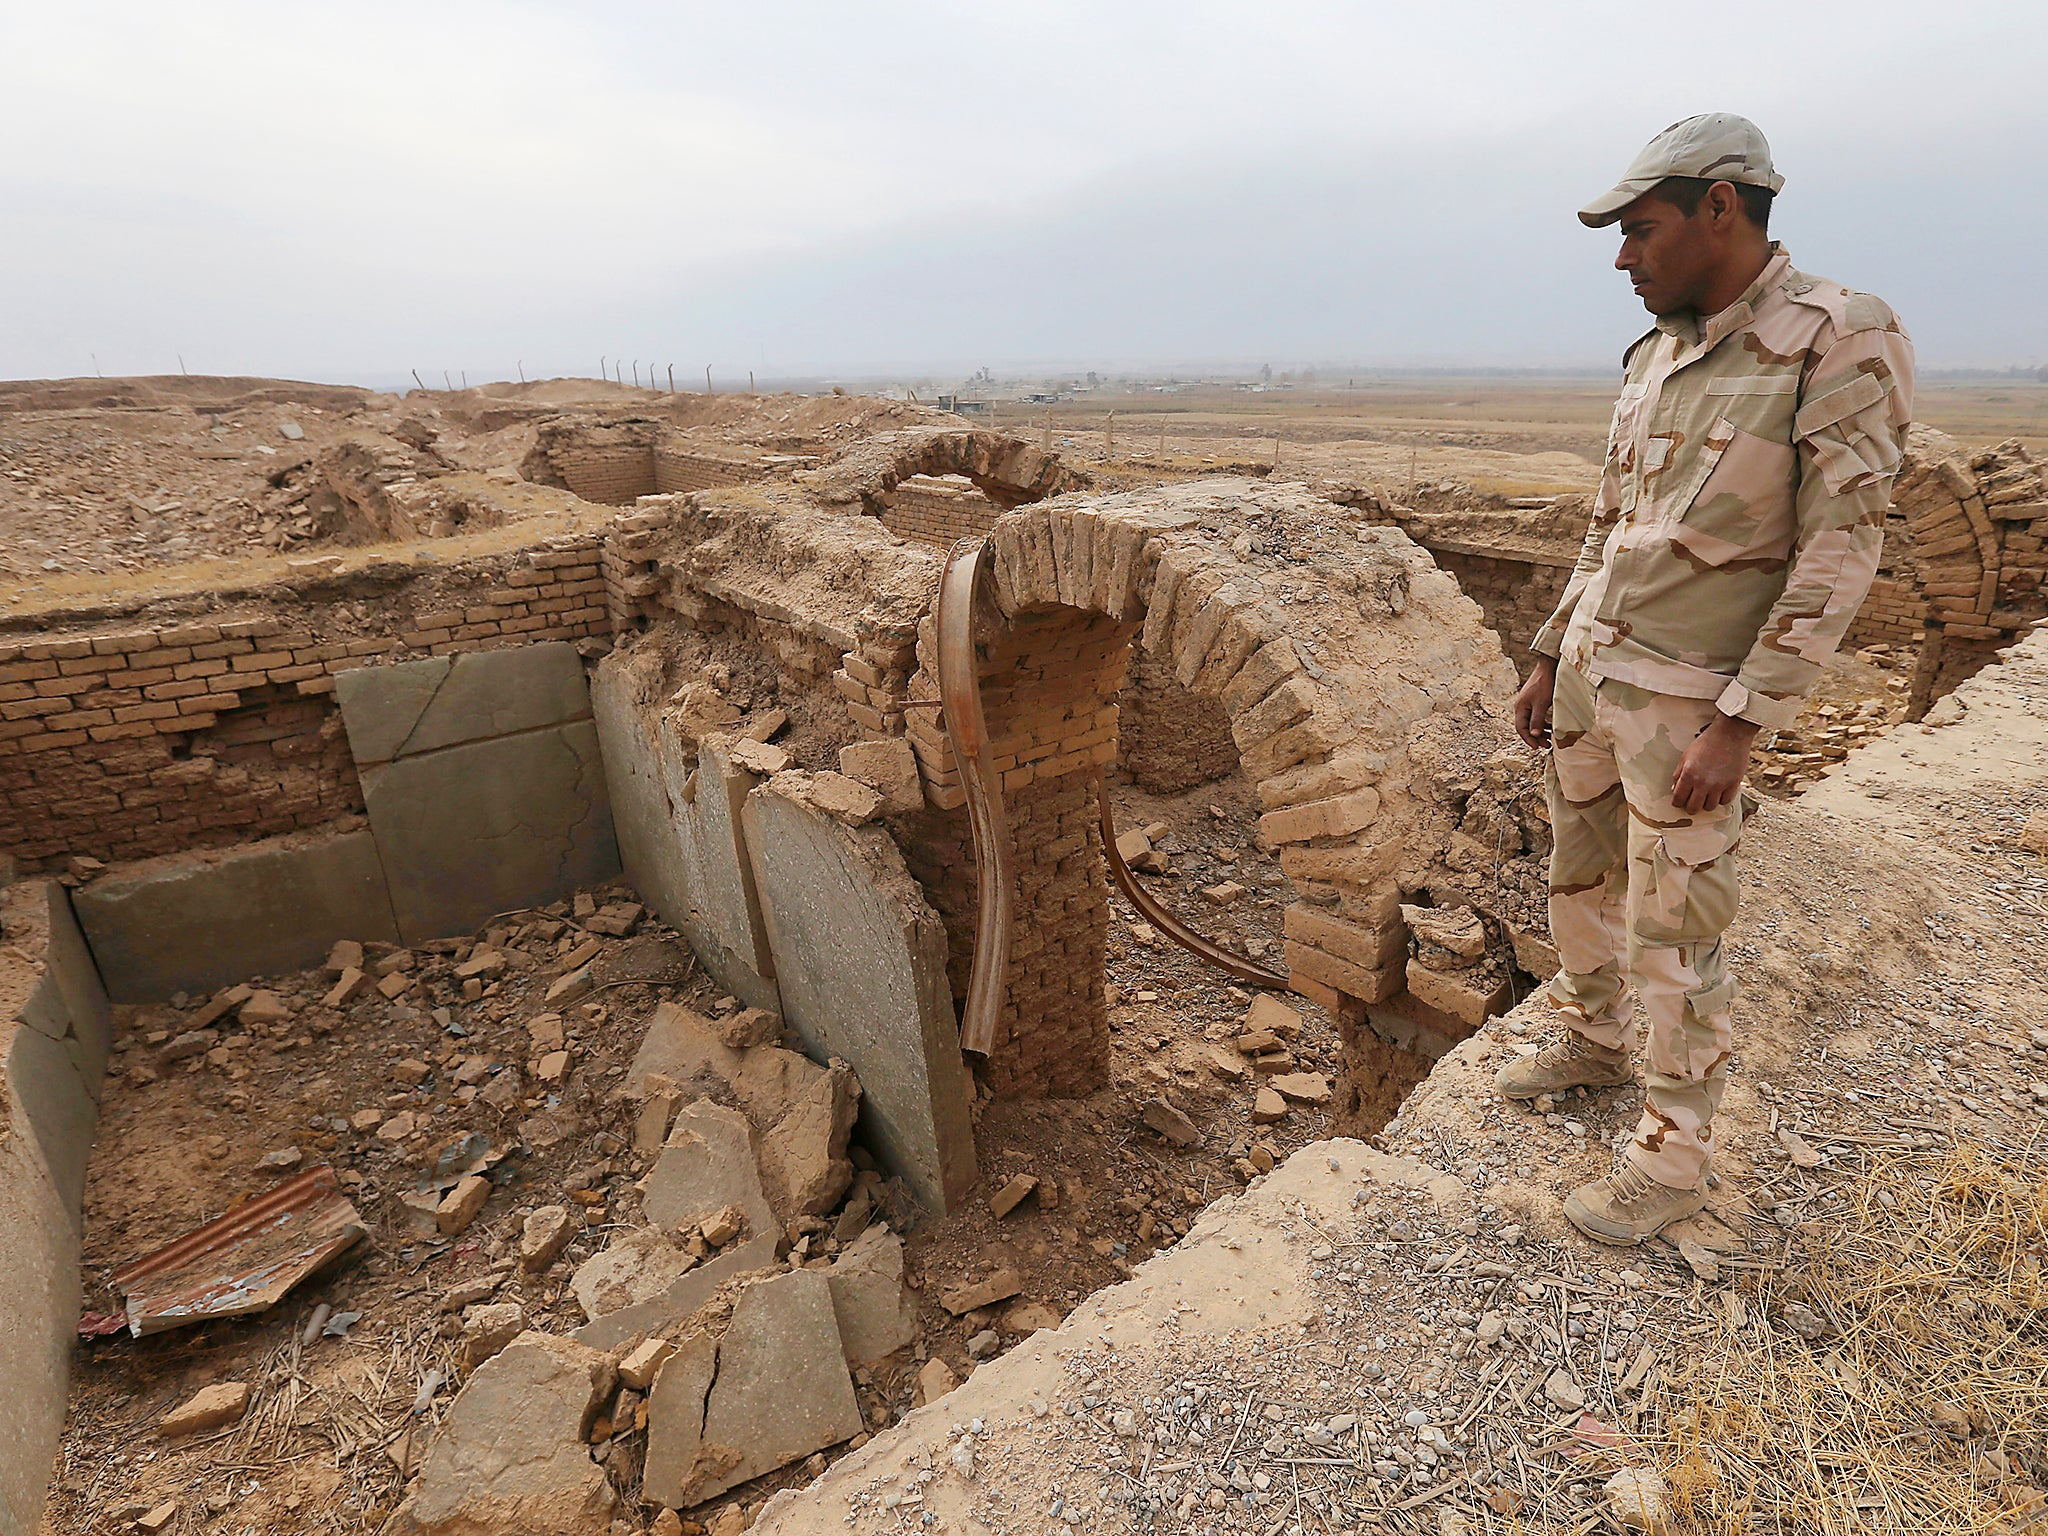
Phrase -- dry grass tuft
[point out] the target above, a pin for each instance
(1919, 1404)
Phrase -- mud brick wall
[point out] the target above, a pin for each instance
(616, 475)
(1894, 613)
(874, 679)
(1049, 686)
(1056, 1039)
(938, 850)
(1170, 739)
(150, 740)
(680, 469)
(631, 570)
(936, 512)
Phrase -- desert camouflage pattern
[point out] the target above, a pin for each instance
(1714, 146)
(1741, 507)
(1640, 892)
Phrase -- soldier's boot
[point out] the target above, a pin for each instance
(1570, 1061)
(1628, 1206)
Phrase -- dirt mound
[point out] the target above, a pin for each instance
(197, 391)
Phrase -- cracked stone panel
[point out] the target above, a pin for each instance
(444, 701)
(774, 1389)
(679, 830)
(69, 1003)
(39, 1278)
(491, 826)
(738, 954)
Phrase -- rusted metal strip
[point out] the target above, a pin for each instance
(960, 698)
(1164, 920)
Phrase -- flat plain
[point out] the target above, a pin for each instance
(1513, 436)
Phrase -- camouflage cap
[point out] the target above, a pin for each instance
(1715, 146)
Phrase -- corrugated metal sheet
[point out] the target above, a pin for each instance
(243, 1262)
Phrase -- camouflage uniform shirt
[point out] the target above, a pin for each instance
(1741, 506)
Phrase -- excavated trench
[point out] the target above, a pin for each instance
(1302, 723)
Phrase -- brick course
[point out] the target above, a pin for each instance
(160, 739)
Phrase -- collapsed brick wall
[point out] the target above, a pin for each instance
(1962, 571)
(936, 512)
(1170, 740)
(1516, 596)
(151, 740)
(1976, 525)
(1894, 613)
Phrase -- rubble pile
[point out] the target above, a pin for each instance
(720, 1336)
(710, 1208)
(1831, 726)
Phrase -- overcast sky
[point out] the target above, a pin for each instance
(350, 191)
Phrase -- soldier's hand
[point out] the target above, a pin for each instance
(1532, 704)
(1710, 773)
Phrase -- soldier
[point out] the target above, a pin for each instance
(1734, 534)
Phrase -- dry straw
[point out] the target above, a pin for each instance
(1919, 1404)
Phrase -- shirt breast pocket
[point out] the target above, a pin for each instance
(1742, 512)
(1624, 440)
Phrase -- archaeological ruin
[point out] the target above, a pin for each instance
(736, 923)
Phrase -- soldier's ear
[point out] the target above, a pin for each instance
(1723, 204)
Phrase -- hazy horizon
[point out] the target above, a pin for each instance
(910, 190)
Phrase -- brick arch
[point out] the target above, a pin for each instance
(1320, 723)
(1962, 555)
(1007, 470)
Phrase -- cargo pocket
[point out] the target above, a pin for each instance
(1684, 891)
(1711, 999)
(1742, 513)
(1848, 432)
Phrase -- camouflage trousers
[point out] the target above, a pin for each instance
(1640, 892)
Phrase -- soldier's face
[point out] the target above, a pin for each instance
(1668, 257)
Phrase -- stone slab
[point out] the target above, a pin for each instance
(876, 1317)
(675, 1418)
(802, 1111)
(782, 1389)
(738, 954)
(48, 1094)
(686, 862)
(443, 701)
(710, 1161)
(638, 1266)
(491, 826)
(197, 922)
(681, 1299)
(510, 1456)
(860, 961)
(640, 758)
(70, 1003)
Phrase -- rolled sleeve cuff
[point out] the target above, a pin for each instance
(1758, 709)
(1549, 641)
